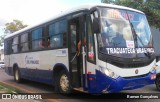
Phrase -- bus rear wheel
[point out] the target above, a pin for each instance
(64, 86)
(158, 83)
(17, 77)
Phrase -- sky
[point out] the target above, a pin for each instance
(34, 11)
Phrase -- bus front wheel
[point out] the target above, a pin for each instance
(158, 82)
(64, 86)
(17, 77)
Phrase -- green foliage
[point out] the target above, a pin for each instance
(11, 27)
(2, 40)
(107, 1)
(14, 26)
(151, 8)
(9, 89)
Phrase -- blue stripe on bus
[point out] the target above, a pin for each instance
(92, 83)
(43, 76)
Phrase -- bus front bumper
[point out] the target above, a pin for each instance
(108, 84)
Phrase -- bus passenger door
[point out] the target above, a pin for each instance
(73, 58)
(76, 35)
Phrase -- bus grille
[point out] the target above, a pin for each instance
(130, 65)
(136, 76)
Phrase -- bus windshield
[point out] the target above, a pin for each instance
(123, 29)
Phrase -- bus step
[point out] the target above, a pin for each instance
(80, 89)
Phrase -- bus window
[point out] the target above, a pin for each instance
(57, 28)
(56, 31)
(15, 45)
(24, 42)
(56, 41)
(63, 26)
(37, 39)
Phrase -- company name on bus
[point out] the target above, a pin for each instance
(31, 60)
(129, 50)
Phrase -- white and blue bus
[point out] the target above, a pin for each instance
(116, 51)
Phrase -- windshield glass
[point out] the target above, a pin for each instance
(142, 30)
(123, 29)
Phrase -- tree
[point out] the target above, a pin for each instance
(14, 26)
(2, 39)
(150, 7)
(11, 27)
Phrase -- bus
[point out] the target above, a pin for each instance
(116, 50)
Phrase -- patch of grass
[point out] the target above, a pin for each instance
(9, 89)
(1, 87)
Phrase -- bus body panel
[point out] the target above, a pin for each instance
(101, 83)
(38, 66)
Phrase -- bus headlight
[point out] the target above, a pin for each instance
(109, 72)
(153, 69)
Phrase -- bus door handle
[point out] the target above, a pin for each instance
(83, 51)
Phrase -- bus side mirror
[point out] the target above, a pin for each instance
(96, 26)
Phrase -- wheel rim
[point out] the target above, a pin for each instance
(64, 82)
(16, 75)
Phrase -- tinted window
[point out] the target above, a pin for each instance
(24, 46)
(15, 41)
(57, 31)
(37, 41)
(36, 34)
(56, 41)
(15, 45)
(24, 38)
(63, 26)
(52, 29)
(57, 27)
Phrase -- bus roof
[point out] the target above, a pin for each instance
(74, 9)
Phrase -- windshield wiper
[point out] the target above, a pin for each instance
(135, 38)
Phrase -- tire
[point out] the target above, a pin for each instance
(64, 86)
(17, 77)
(158, 82)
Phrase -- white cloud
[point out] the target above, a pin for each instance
(34, 11)
(2, 22)
(30, 11)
